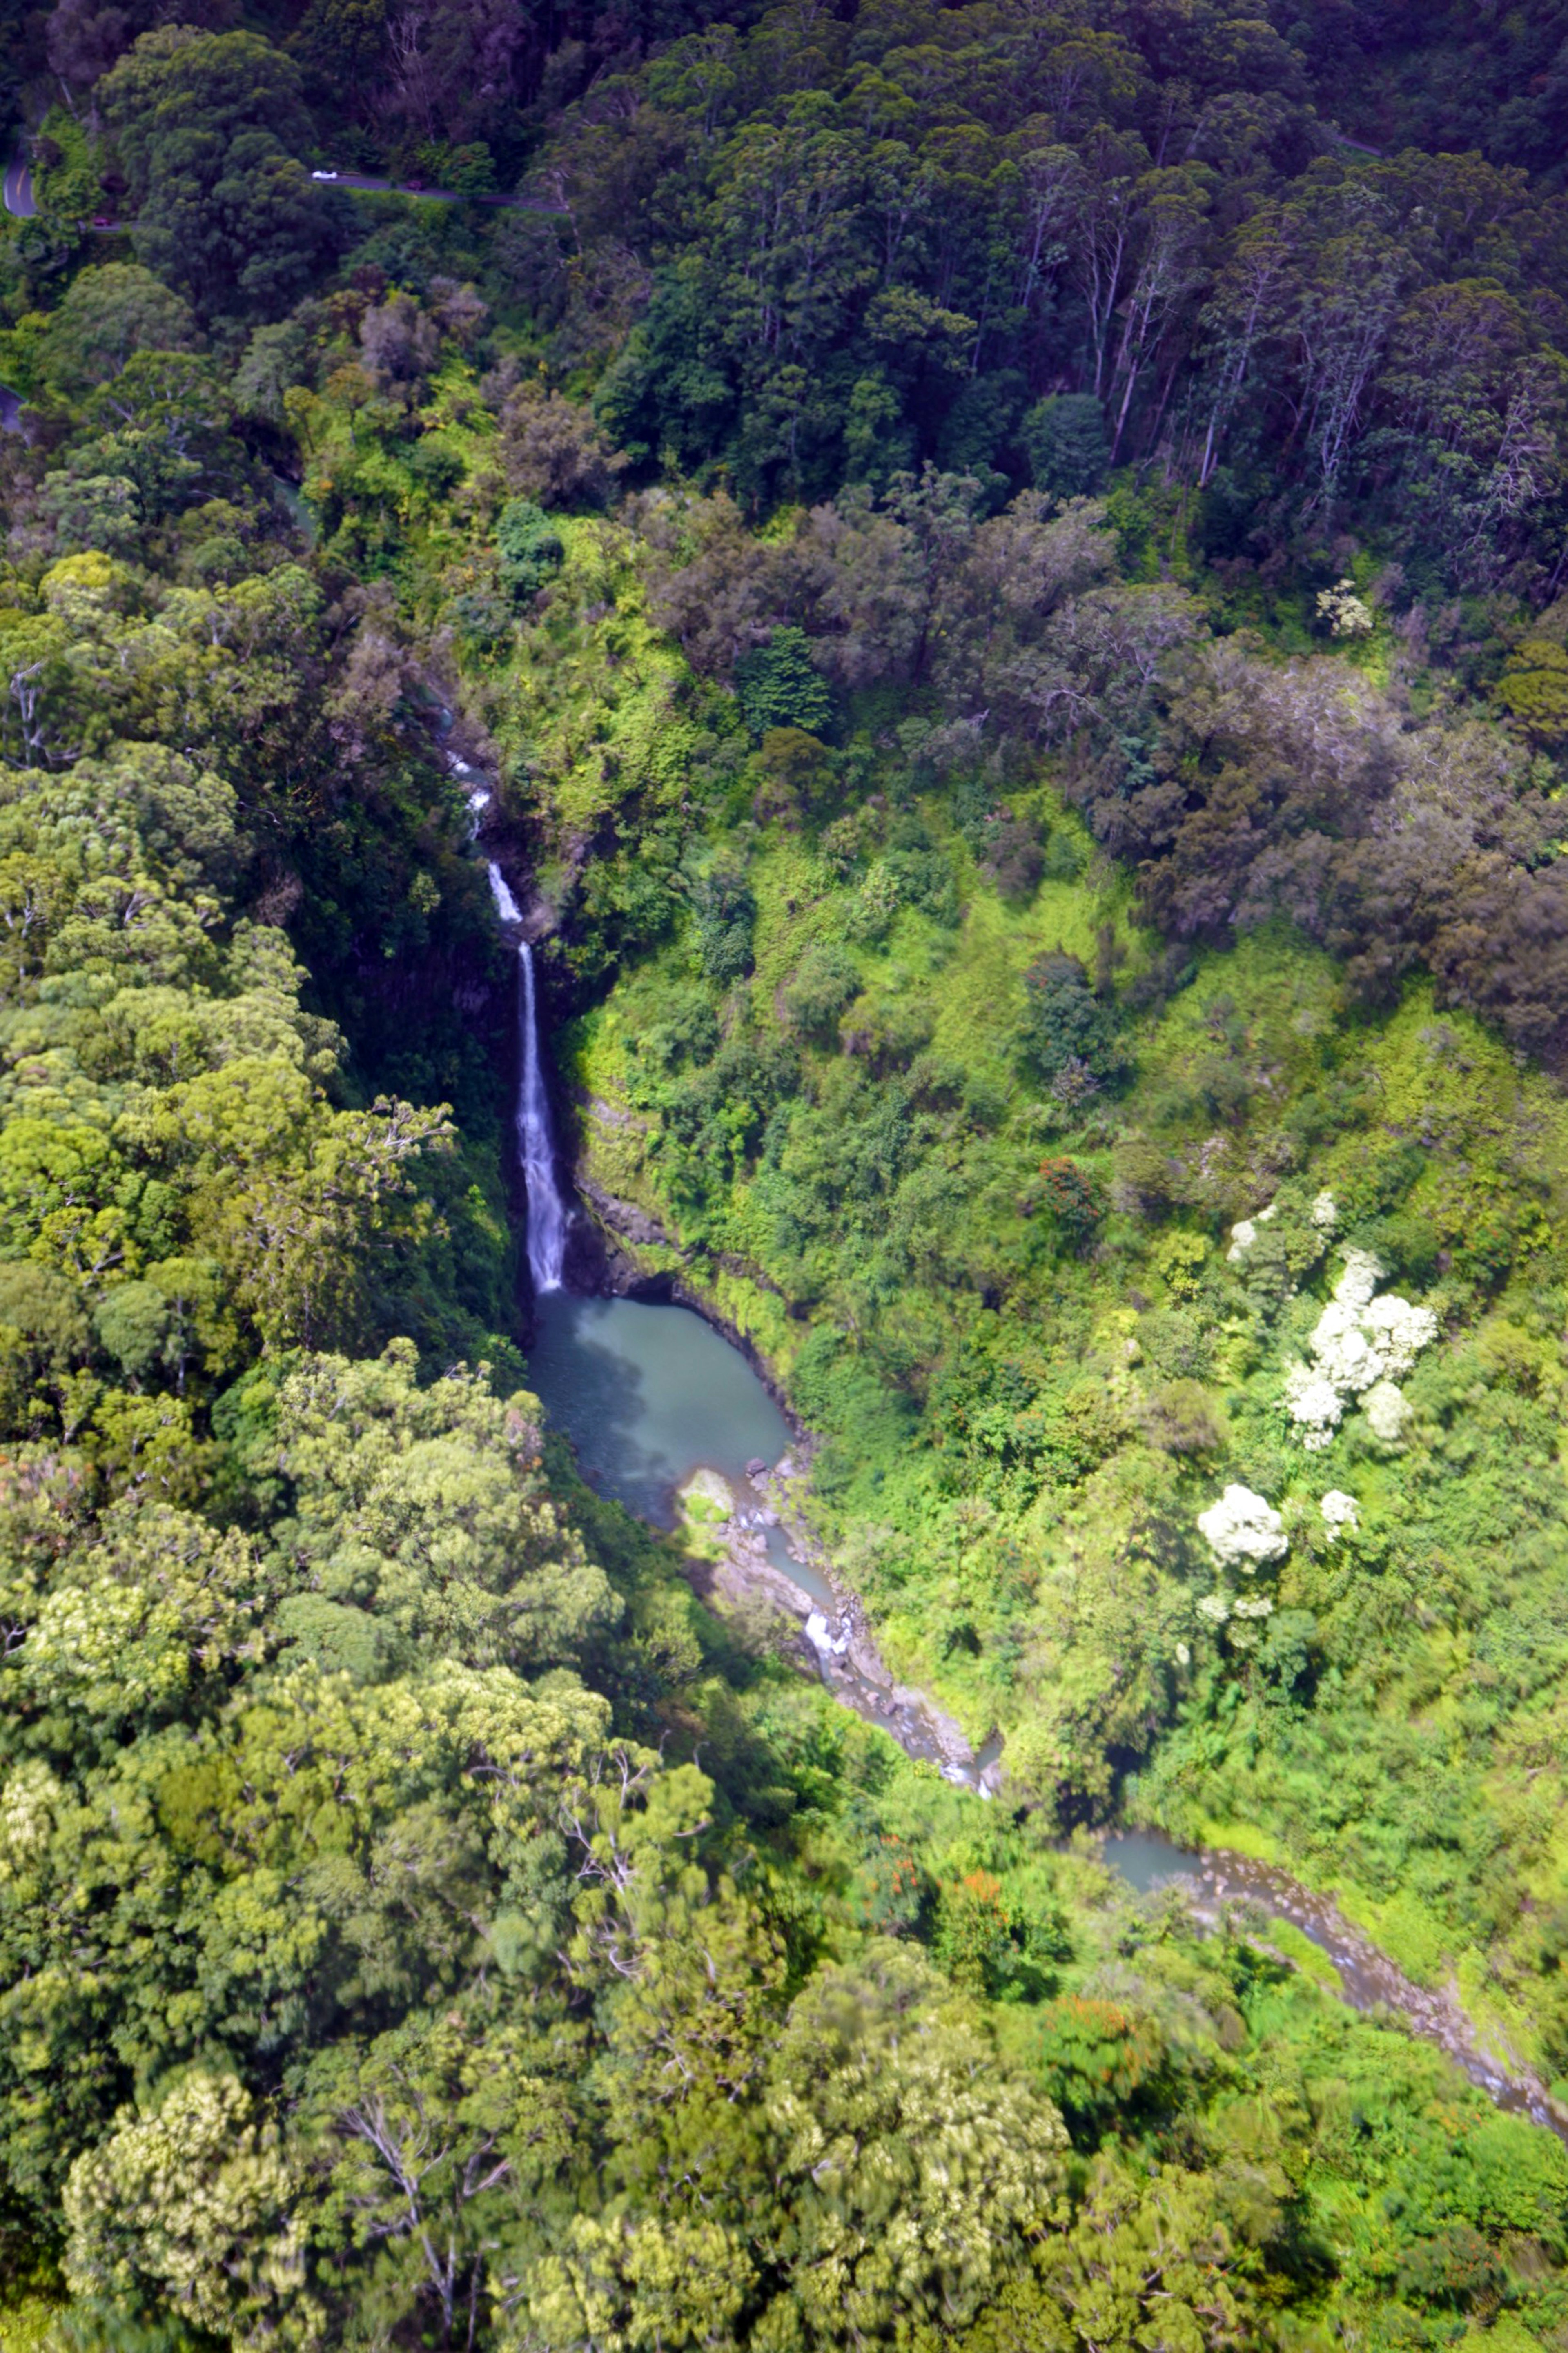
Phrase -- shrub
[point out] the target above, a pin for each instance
(778, 685)
(1179, 1418)
(1014, 857)
(530, 548)
(553, 451)
(825, 982)
(1073, 1198)
(1094, 2055)
(1066, 1024)
(1455, 2266)
(798, 775)
(725, 914)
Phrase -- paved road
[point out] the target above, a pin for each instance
(1341, 139)
(19, 189)
(19, 193)
(360, 183)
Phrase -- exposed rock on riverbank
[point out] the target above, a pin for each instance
(1369, 1982)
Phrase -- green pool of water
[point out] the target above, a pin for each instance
(648, 1394)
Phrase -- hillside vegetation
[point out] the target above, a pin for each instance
(1009, 581)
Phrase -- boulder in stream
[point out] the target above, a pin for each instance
(706, 1499)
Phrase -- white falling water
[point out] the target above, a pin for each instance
(507, 907)
(535, 1144)
(546, 1210)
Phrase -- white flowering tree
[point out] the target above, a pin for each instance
(1243, 1531)
(1363, 1343)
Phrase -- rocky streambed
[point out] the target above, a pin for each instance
(762, 1548)
(1369, 1982)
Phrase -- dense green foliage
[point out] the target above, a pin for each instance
(1009, 581)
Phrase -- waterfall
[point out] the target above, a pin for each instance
(507, 907)
(536, 1149)
(535, 1143)
(547, 1216)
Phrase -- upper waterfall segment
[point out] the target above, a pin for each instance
(507, 907)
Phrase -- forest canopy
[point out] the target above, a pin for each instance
(1004, 574)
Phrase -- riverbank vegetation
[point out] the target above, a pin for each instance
(1009, 581)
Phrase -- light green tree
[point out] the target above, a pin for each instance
(189, 2205)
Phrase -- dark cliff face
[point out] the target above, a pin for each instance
(434, 1023)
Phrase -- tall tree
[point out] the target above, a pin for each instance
(209, 127)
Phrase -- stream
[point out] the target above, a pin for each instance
(650, 1394)
(1369, 1982)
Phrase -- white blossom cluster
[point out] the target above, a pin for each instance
(1242, 1530)
(1244, 1233)
(1347, 615)
(1362, 1344)
(1323, 1215)
(1387, 1411)
(1217, 1608)
(1339, 1511)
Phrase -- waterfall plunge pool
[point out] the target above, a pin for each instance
(648, 1394)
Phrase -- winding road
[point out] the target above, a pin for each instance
(19, 198)
(22, 205)
(360, 183)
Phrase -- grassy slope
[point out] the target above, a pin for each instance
(1023, 1597)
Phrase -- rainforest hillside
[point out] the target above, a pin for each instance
(1006, 571)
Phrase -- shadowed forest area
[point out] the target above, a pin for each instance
(1007, 570)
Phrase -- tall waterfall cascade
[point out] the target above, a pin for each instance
(535, 1141)
(536, 1145)
(547, 1213)
(674, 1382)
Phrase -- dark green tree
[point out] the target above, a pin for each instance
(529, 548)
(1066, 440)
(209, 127)
(1068, 1029)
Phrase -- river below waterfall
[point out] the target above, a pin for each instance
(1369, 1982)
(649, 1394)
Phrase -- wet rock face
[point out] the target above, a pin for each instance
(622, 1218)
